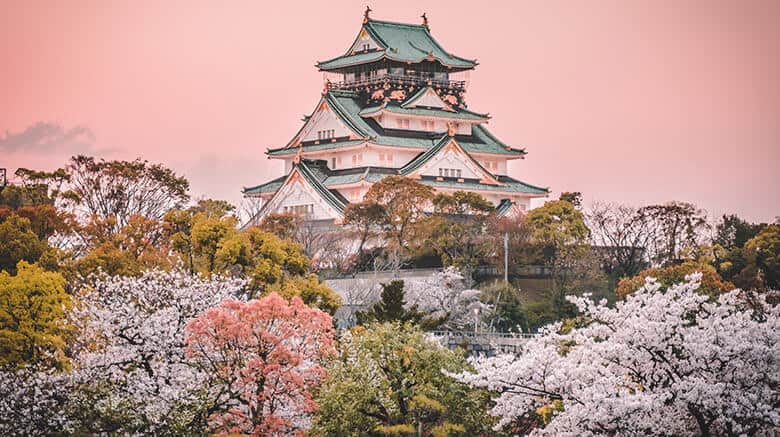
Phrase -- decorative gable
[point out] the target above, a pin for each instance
(429, 98)
(363, 43)
(324, 125)
(298, 196)
(450, 160)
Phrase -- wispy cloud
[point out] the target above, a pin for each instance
(47, 137)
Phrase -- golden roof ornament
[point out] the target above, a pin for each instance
(365, 14)
(450, 128)
(425, 20)
(299, 155)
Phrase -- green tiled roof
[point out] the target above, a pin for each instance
(347, 106)
(399, 42)
(313, 147)
(459, 113)
(510, 185)
(268, 187)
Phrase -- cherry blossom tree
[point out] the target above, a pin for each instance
(261, 359)
(444, 296)
(658, 363)
(130, 351)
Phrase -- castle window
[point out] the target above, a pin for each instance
(365, 47)
(428, 125)
(354, 160)
(333, 162)
(458, 172)
(381, 156)
(403, 123)
(389, 157)
(326, 134)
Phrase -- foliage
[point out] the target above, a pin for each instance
(122, 189)
(558, 224)
(130, 358)
(560, 229)
(388, 380)
(523, 250)
(20, 243)
(33, 328)
(208, 242)
(762, 254)
(263, 357)
(573, 197)
(391, 307)
(659, 363)
(365, 217)
(403, 202)
(281, 225)
(710, 284)
(506, 311)
(457, 230)
(139, 245)
(733, 232)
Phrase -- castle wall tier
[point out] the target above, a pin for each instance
(393, 104)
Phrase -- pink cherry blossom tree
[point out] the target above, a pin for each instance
(658, 363)
(261, 357)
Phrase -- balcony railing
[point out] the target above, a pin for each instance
(400, 79)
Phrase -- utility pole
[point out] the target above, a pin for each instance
(506, 258)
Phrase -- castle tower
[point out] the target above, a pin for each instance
(393, 104)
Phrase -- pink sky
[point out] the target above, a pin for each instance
(629, 101)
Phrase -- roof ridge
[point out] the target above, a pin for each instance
(511, 179)
(396, 23)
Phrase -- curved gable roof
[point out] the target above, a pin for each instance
(399, 42)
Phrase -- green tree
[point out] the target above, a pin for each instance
(32, 311)
(573, 197)
(18, 242)
(559, 228)
(389, 380)
(365, 217)
(402, 214)
(282, 225)
(207, 240)
(762, 254)
(457, 230)
(391, 307)
(196, 233)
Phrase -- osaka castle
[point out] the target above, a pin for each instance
(393, 104)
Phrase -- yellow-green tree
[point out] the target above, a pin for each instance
(209, 243)
(457, 230)
(711, 282)
(559, 229)
(18, 242)
(389, 379)
(32, 310)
